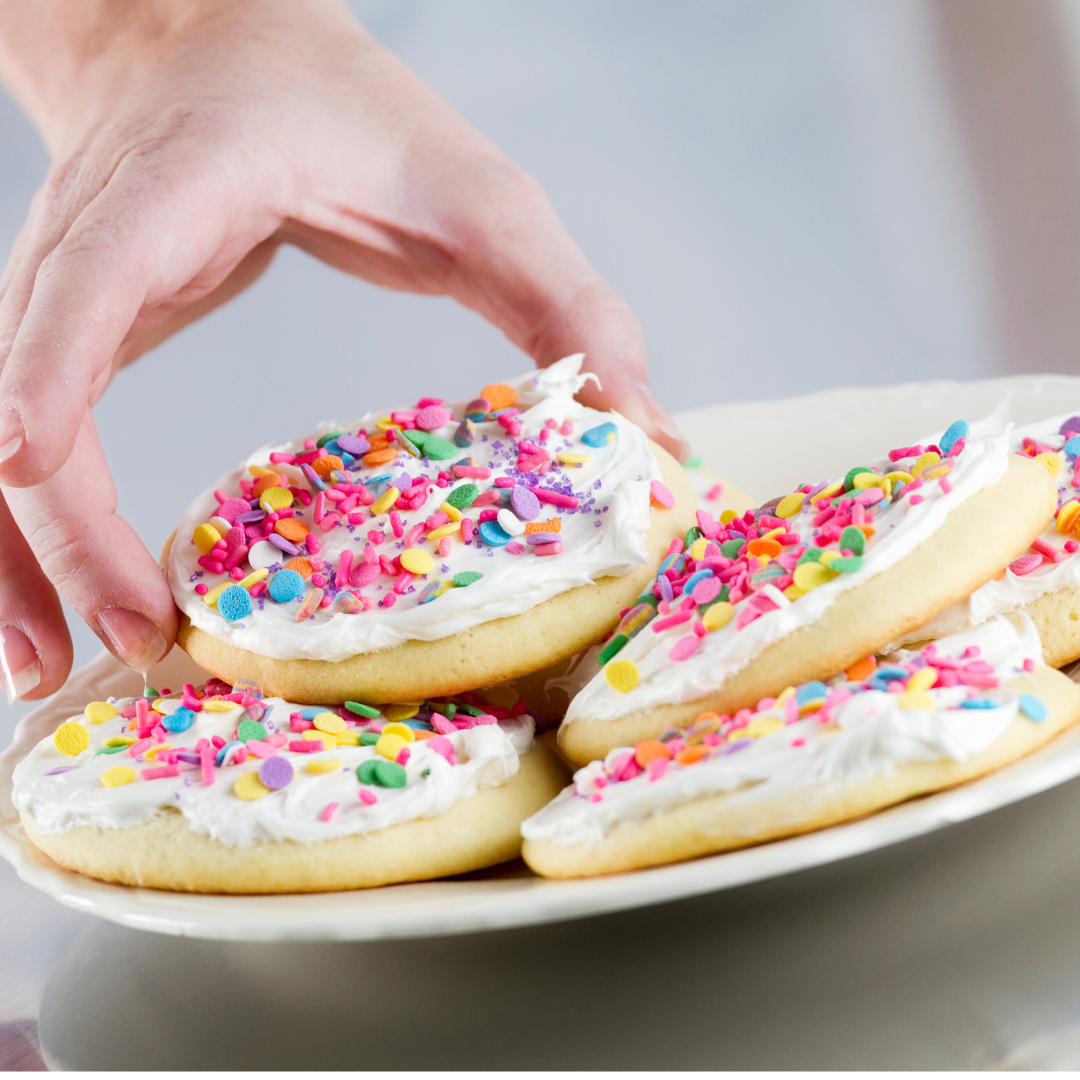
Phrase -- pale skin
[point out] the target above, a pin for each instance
(189, 139)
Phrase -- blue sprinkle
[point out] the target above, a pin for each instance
(224, 750)
(978, 703)
(491, 532)
(959, 430)
(1072, 446)
(178, 721)
(311, 711)
(693, 579)
(234, 603)
(1033, 707)
(811, 691)
(600, 435)
(285, 585)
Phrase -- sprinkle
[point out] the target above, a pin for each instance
(661, 494)
(622, 675)
(1033, 708)
(71, 738)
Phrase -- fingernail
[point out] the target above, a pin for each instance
(659, 416)
(137, 641)
(12, 434)
(19, 663)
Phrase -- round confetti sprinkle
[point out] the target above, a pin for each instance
(466, 577)
(390, 774)
(524, 503)
(97, 712)
(262, 555)
(661, 494)
(622, 675)
(510, 523)
(959, 430)
(498, 396)
(286, 585)
(249, 787)
(718, 615)
(118, 776)
(401, 712)
(275, 773)
(463, 496)
(417, 561)
(178, 720)
(71, 738)
(250, 729)
(439, 449)
(1033, 707)
(234, 603)
(432, 417)
(402, 730)
(362, 710)
(329, 722)
(276, 498)
(1025, 564)
(491, 532)
(389, 746)
(323, 765)
(356, 445)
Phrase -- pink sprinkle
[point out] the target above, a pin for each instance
(466, 530)
(684, 647)
(486, 498)
(325, 601)
(136, 748)
(474, 472)
(306, 746)
(376, 537)
(547, 549)
(659, 625)
(201, 589)
(661, 494)
(341, 579)
(218, 742)
(328, 812)
(206, 763)
(1071, 546)
(915, 500)
(160, 772)
(442, 726)
(513, 548)
(368, 798)
(945, 483)
(1029, 664)
(557, 498)
(312, 543)
(258, 589)
(798, 742)
(402, 582)
(905, 452)
(1025, 564)
(444, 547)
(505, 481)
(388, 601)
(396, 524)
(414, 534)
(277, 739)
(656, 769)
(715, 492)
(1044, 548)
(567, 427)
(403, 756)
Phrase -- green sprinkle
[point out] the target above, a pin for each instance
(330, 436)
(365, 772)
(730, 548)
(811, 554)
(362, 710)
(250, 729)
(449, 710)
(692, 534)
(463, 496)
(854, 539)
(109, 749)
(847, 564)
(437, 450)
(389, 773)
(411, 445)
(150, 692)
(369, 738)
(694, 462)
(466, 577)
(611, 648)
(470, 710)
(849, 480)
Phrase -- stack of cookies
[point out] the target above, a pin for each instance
(394, 613)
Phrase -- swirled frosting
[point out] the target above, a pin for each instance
(596, 494)
(669, 667)
(815, 736)
(59, 791)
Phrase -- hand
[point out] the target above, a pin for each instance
(190, 139)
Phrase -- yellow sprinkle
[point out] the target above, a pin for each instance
(211, 597)
(417, 560)
(865, 480)
(1051, 462)
(441, 531)
(349, 737)
(899, 477)
(812, 574)
(923, 679)
(248, 786)
(253, 578)
(793, 592)
(219, 706)
(403, 730)
(275, 498)
(205, 537)
(389, 746)
(385, 424)
(323, 765)
(727, 517)
(71, 738)
(385, 501)
(833, 489)
(622, 675)
(697, 548)
(925, 462)
(118, 776)
(567, 458)
(328, 722)
(259, 470)
(315, 735)
(938, 470)
(445, 587)
(97, 712)
(828, 556)
(788, 691)
(153, 752)
(452, 512)
(1067, 516)
(719, 614)
(812, 706)
(120, 740)
(916, 699)
(790, 505)
(762, 725)
(405, 711)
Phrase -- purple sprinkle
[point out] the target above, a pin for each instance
(524, 503)
(666, 590)
(251, 517)
(279, 541)
(275, 773)
(183, 755)
(544, 538)
(63, 768)
(353, 444)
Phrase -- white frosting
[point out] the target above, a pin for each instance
(1013, 591)
(604, 536)
(487, 756)
(900, 528)
(869, 736)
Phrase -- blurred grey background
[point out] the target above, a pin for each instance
(793, 196)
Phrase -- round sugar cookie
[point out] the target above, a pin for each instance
(1044, 582)
(817, 590)
(309, 815)
(793, 768)
(472, 603)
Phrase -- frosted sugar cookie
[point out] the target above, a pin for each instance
(428, 550)
(816, 755)
(807, 584)
(221, 791)
(1043, 581)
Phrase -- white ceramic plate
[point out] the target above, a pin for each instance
(825, 430)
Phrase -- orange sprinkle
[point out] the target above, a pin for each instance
(324, 465)
(552, 525)
(499, 396)
(292, 529)
(861, 669)
(420, 735)
(764, 547)
(379, 457)
(867, 530)
(691, 755)
(649, 750)
(265, 482)
(301, 565)
(1000, 574)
